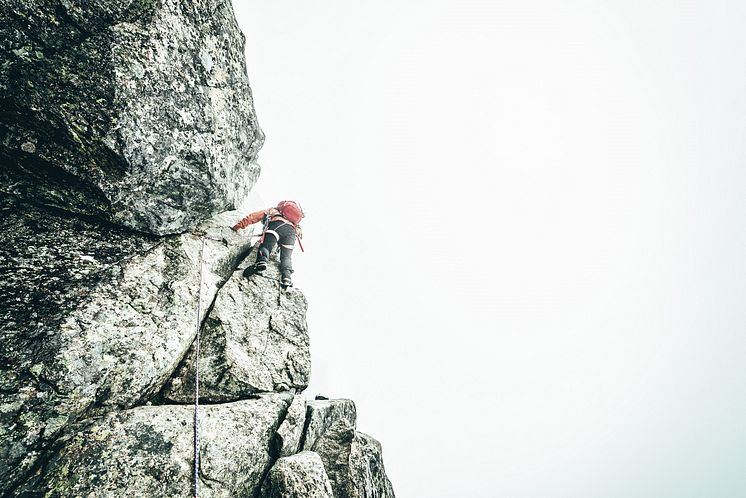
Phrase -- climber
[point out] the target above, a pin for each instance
(281, 224)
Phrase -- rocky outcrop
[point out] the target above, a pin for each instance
(352, 460)
(254, 340)
(124, 128)
(147, 451)
(138, 112)
(94, 318)
(298, 475)
(366, 477)
(322, 415)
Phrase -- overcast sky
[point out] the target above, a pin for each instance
(525, 238)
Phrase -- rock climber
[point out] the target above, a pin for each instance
(281, 225)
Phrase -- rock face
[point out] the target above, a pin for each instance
(124, 127)
(298, 475)
(146, 452)
(139, 112)
(255, 340)
(94, 319)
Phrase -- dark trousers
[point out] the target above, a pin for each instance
(284, 233)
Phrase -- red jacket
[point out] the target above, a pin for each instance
(257, 216)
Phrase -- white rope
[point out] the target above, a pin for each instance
(196, 373)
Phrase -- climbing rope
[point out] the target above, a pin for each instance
(196, 372)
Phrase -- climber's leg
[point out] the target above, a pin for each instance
(287, 243)
(271, 236)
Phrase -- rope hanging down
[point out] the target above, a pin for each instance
(196, 373)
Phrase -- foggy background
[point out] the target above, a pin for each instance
(525, 235)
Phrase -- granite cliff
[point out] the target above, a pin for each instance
(127, 130)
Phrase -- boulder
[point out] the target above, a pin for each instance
(94, 318)
(255, 339)
(138, 112)
(296, 476)
(148, 451)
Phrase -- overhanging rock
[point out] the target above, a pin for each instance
(138, 112)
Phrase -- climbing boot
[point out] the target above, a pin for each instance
(286, 281)
(257, 267)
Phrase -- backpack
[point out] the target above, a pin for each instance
(291, 211)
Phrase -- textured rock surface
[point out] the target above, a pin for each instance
(321, 415)
(291, 429)
(254, 340)
(93, 319)
(122, 123)
(148, 451)
(300, 475)
(137, 111)
(366, 475)
(352, 460)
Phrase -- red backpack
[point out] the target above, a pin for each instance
(291, 211)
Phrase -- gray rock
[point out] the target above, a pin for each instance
(254, 340)
(94, 318)
(352, 460)
(321, 415)
(367, 477)
(334, 446)
(148, 451)
(138, 112)
(291, 429)
(298, 476)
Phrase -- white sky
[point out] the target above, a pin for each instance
(525, 235)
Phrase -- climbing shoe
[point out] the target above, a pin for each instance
(286, 282)
(258, 267)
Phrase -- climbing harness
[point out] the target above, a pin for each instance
(265, 230)
(196, 371)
